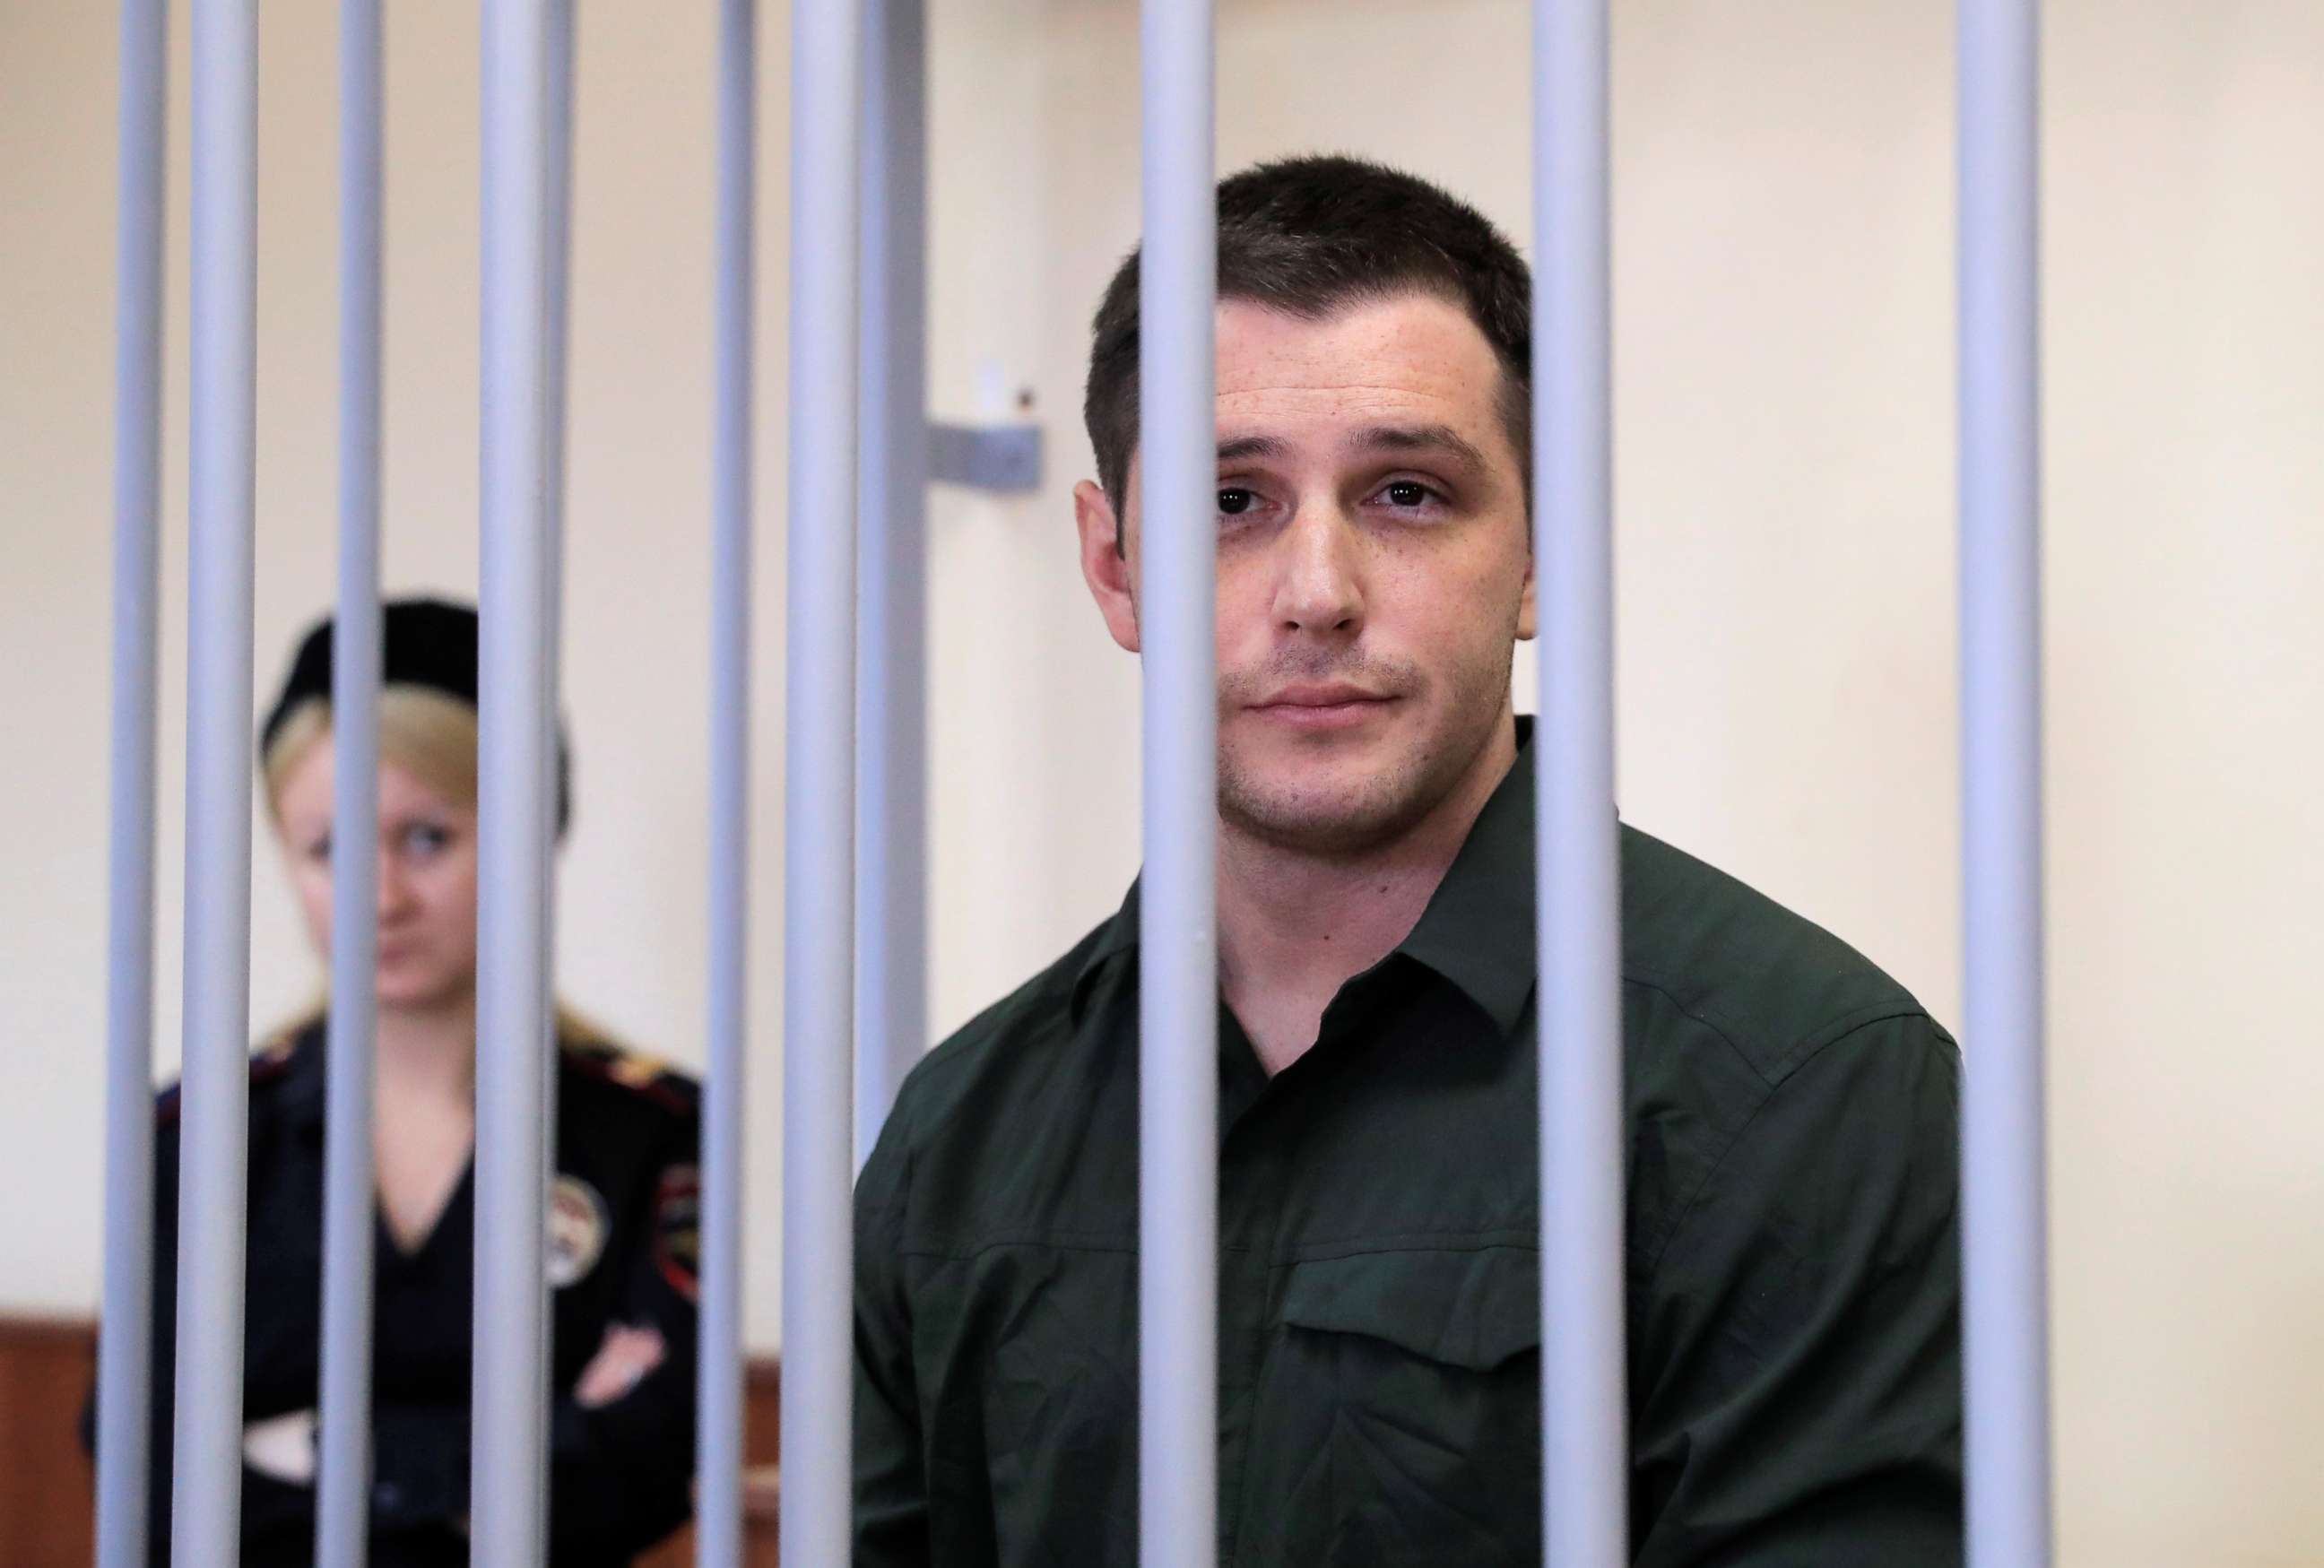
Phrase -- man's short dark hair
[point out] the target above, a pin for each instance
(1310, 236)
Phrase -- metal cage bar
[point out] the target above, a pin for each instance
(718, 1408)
(1176, 553)
(509, 1481)
(820, 767)
(892, 643)
(1585, 1458)
(343, 1481)
(125, 1354)
(2005, 1263)
(556, 308)
(214, 1151)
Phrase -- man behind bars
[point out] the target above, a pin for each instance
(1791, 1268)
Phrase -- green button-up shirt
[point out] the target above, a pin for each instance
(1792, 1260)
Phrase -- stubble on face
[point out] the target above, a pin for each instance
(1346, 812)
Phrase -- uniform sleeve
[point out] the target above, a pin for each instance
(891, 1489)
(1797, 1390)
(164, 1363)
(269, 1508)
(621, 1474)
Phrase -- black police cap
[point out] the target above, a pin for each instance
(423, 642)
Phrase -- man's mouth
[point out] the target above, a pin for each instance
(1323, 705)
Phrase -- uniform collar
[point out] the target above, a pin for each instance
(1477, 929)
(300, 1051)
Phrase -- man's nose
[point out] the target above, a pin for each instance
(1318, 588)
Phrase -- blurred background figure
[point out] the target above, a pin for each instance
(621, 1216)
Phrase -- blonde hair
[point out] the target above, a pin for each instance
(429, 733)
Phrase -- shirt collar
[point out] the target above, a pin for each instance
(1117, 937)
(1477, 929)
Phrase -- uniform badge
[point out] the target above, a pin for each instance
(578, 1222)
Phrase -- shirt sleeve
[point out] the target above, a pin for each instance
(891, 1489)
(621, 1474)
(1797, 1389)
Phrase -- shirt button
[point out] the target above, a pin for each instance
(387, 1497)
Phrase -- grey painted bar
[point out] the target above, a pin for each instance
(718, 1406)
(891, 644)
(126, 1352)
(820, 798)
(1585, 1457)
(509, 1479)
(214, 1151)
(557, 294)
(342, 1480)
(1176, 535)
(2004, 1210)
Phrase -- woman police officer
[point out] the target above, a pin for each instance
(622, 1212)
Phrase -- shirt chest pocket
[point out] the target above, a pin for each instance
(1399, 1413)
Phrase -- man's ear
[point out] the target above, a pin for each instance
(1107, 568)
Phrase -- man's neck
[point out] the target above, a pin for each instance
(1295, 926)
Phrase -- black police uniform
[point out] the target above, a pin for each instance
(623, 1227)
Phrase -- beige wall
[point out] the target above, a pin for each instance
(1783, 386)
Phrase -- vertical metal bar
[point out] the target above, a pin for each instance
(126, 1352)
(343, 1497)
(556, 332)
(2005, 1305)
(819, 765)
(1178, 1284)
(214, 1150)
(718, 1389)
(1577, 866)
(509, 1483)
(556, 298)
(891, 702)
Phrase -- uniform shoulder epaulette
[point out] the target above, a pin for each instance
(595, 1056)
(268, 1061)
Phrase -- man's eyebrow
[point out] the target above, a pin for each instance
(1439, 438)
(1243, 447)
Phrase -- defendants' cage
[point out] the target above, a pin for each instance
(855, 759)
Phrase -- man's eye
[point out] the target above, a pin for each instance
(426, 840)
(1407, 492)
(1234, 503)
